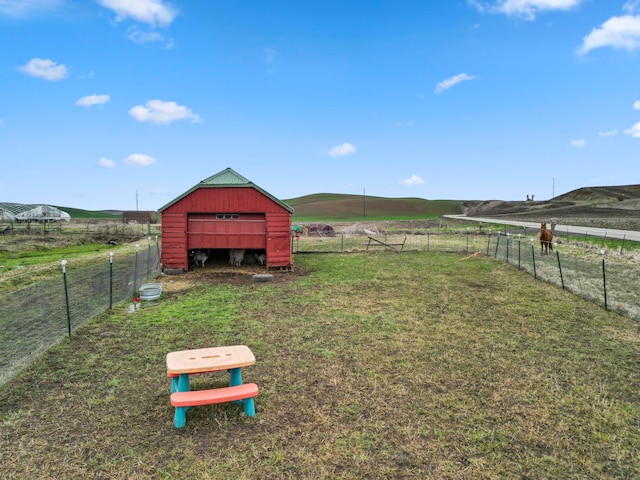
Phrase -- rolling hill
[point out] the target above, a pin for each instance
(339, 207)
(614, 201)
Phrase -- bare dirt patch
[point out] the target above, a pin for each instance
(219, 274)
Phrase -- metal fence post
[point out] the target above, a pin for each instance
(135, 272)
(467, 239)
(519, 251)
(508, 241)
(559, 266)
(66, 295)
(488, 241)
(497, 243)
(533, 258)
(110, 280)
(604, 280)
(149, 258)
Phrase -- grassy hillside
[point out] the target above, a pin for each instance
(78, 213)
(330, 206)
(333, 206)
(595, 194)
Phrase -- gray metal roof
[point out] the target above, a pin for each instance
(22, 211)
(226, 178)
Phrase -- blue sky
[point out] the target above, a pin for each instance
(125, 104)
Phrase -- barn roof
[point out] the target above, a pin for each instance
(227, 178)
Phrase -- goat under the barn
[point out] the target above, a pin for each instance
(200, 257)
(235, 256)
(261, 258)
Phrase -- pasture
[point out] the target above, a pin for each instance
(411, 365)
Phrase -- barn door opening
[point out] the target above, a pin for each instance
(227, 230)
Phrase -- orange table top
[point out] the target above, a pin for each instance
(209, 359)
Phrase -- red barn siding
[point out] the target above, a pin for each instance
(189, 224)
(279, 240)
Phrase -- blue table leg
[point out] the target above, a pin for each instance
(183, 383)
(235, 377)
(249, 407)
(180, 417)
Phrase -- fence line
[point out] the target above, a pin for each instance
(600, 270)
(34, 318)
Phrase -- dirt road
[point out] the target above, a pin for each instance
(564, 229)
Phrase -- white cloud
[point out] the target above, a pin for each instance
(450, 82)
(341, 150)
(94, 99)
(106, 163)
(608, 133)
(23, 8)
(578, 143)
(161, 112)
(527, 9)
(44, 68)
(634, 131)
(139, 160)
(636, 105)
(140, 36)
(617, 32)
(153, 12)
(413, 180)
(632, 6)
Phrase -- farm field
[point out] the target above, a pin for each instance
(30, 253)
(412, 365)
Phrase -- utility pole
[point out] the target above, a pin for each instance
(364, 204)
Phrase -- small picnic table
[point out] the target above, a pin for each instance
(182, 364)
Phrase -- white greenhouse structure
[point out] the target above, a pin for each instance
(18, 212)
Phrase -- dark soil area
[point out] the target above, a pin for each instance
(605, 207)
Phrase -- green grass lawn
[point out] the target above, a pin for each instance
(413, 365)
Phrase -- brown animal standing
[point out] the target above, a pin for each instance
(546, 237)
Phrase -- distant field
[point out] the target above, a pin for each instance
(336, 207)
(78, 213)
(329, 206)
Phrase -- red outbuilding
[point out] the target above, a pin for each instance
(223, 212)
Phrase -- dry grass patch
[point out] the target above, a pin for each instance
(413, 365)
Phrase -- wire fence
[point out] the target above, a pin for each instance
(36, 317)
(599, 270)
